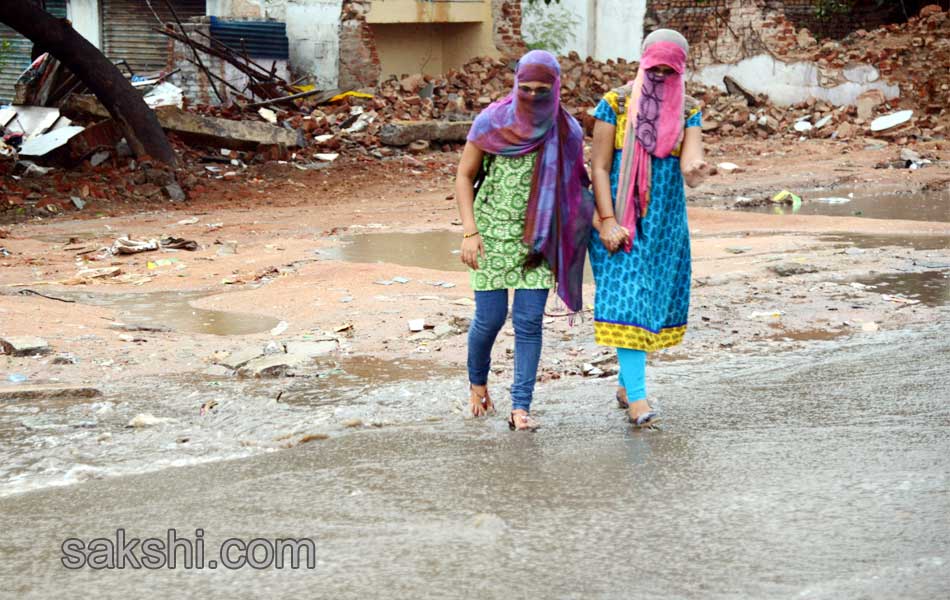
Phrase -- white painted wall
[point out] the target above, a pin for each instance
(313, 31)
(791, 83)
(607, 28)
(84, 15)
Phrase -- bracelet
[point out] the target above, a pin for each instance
(614, 217)
(469, 235)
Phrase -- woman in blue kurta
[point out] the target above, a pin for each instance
(647, 143)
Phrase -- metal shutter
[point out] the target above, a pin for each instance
(127, 30)
(16, 58)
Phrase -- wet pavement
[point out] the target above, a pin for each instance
(819, 474)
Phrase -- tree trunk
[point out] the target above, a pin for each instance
(137, 121)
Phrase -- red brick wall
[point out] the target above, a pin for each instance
(359, 60)
(507, 17)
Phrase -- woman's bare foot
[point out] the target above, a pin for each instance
(520, 420)
(479, 401)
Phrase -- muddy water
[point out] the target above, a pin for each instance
(437, 250)
(920, 206)
(928, 287)
(173, 310)
(821, 474)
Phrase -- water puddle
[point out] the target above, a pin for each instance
(437, 250)
(919, 206)
(173, 310)
(931, 288)
(867, 242)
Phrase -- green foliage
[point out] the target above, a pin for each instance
(4, 49)
(548, 27)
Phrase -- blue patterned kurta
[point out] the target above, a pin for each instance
(642, 297)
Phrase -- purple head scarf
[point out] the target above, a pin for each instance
(558, 220)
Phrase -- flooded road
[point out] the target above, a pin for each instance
(818, 474)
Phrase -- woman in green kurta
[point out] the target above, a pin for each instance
(526, 228)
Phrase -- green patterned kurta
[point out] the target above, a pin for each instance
(500, 214)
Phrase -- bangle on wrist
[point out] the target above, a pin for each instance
(469, 235)
(608, 217)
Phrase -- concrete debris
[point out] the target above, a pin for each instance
(222, 133)
(793, 268)
(24, 346)
(405, 133)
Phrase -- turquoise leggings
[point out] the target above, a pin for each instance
(633, 371)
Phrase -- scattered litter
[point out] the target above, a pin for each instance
(346, 299)
(870, 327)
(125, 245)
(892, 120)
(78, 202)
(280, 328)
(772, 314)
(188, 221)
(402, 280)
(327, 157)
(128, 337)
(463, 302)
(173, 243)
(787, 197)
(803, 126)
(738, 249)
(385, 282)
(207, 406)
(728, 167)
(164, 94)
(146, 420)
(833, 200)
(101, 273)
(162, 262)
(268, 115)
(417, 324)
(16, 378)
(899, 299)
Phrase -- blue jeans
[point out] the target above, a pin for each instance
(527, 316)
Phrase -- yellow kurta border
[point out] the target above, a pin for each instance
(636, 338)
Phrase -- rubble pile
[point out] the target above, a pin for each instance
(418, 113)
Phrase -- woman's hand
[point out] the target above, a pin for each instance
(472, 248)
(613, 235)
(696, 172)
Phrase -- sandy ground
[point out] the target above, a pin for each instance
(287, 226)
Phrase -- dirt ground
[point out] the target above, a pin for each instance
(269, 248)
